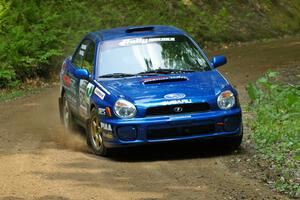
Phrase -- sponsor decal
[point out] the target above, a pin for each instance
(101, 111)
(84, 99)
(89, 89)
(105, 126)
(99, 93)
(83, 47)
(72, 98)
(181, 101)
(81, 53)
(73, 86)
(104, 111)
(103, 88)
(127, 42)
(67, 80)
(174, 96)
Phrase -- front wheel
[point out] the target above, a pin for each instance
(235, 142)
(94, 135)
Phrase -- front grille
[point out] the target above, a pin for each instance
(171, 109)
(177, 132)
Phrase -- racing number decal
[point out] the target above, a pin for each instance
(85, 92)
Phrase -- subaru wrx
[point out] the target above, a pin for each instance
(146, 84)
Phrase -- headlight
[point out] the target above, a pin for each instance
(124, 109)
(226, 100)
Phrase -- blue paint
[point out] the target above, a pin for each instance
(198, 88)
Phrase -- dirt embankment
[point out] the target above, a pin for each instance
(39, 160)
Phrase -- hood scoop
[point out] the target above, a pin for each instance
(164, 79)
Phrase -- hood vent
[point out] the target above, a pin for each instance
(164, 79)
(139, 29)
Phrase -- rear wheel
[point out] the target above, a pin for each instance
(94, 135)
(67, 117)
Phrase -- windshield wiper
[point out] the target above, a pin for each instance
(116, 75)
(164, 71)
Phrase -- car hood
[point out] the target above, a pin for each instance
(150, 89)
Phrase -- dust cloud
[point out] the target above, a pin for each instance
(72, 140)
(36, 118)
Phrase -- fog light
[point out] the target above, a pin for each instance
(127, 133)
(232, 123)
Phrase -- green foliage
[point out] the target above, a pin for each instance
(276, 128)
(29, 39)
(35, 35)
(7, 75)
(4, 96)
(32, 35)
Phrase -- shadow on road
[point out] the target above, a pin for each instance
(167, 151)
(170, 171)
(173, 151)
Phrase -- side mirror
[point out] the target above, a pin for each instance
(217, 61)
(82, 74)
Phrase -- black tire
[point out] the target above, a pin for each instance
(235, 142)
(94, 135)
(67, 117)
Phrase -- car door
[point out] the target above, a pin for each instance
(71, 83)
(86, 87)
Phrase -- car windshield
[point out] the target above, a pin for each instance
(149, 55)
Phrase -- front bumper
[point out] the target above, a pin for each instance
(138, 131)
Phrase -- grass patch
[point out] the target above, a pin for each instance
(10, 94)
(276, 129)
(7, 95)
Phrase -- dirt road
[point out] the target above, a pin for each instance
(38, 160)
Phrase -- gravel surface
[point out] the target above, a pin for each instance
(39, 160)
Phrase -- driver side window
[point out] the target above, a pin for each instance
(84, 56)
(88, 61)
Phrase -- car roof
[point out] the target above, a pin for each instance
(137, 31)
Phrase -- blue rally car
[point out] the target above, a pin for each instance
(146, 84)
